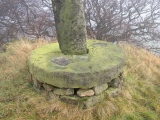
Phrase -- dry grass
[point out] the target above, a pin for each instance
(140, 99)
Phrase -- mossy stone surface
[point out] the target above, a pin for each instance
(70, 26)
(103, 63)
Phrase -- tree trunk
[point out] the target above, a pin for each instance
(70, 26)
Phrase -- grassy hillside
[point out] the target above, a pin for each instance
(140, 99)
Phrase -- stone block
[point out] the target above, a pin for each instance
(43, 92)
(85, 92)
(48, 87)
(36, 84)
(35, 88)
(115, 82)
(51, 95)
(99, 89)
(113, 92)
(39, 89)
(73, 99)
(59, 91)
(91, 101)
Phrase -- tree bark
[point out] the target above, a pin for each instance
(70, 26)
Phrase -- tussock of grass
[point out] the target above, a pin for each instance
(140, 99)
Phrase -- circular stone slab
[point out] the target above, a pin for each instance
(103, 63)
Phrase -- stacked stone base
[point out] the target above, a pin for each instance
(83, 97)
(78, 79)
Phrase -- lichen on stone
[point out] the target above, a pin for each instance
(99, 66)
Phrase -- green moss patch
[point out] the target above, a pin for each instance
(103, 63)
